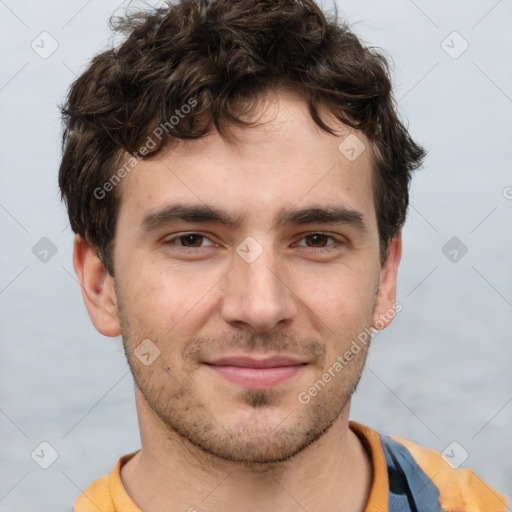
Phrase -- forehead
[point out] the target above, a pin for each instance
(285, 161)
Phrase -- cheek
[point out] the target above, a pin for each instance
(339, 292)
(339, 306)
(164, 298)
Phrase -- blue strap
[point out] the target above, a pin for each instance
(410, 489)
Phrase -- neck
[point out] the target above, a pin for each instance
(170, 473)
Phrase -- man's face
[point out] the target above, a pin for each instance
(291, 295)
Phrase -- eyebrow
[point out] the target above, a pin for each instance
(213, 215)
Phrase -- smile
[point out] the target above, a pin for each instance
(256, 374)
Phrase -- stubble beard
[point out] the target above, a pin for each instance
(255, 440)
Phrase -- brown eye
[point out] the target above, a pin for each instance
(317, 239)
(189, 241)
(192, 240)
(318, 244)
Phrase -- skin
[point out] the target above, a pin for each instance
(206, 442)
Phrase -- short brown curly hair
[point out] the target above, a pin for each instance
(219, 56)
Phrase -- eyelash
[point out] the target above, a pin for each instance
(171, 241)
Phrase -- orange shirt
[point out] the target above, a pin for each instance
(460, 490)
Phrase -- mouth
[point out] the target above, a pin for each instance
(256, 373)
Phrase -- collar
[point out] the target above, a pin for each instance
(109, 494)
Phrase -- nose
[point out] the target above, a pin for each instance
(256, 294)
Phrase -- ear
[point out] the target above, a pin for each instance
(386, 293)
(97, 288)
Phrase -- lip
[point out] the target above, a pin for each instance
(248, 361)
(256, 373)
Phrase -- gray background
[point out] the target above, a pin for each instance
(440, 373)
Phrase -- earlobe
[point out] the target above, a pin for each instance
(386, 293)
(97, 288)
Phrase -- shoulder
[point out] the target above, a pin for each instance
(460, 489)
(96, 496)
(107, 493)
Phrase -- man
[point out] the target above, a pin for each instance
(237, 178)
